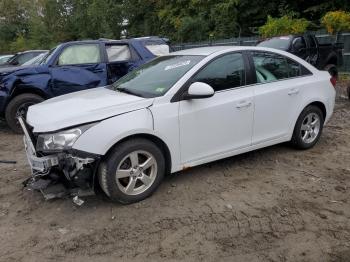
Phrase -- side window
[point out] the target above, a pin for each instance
(80, 54)
(223, 73)
(293, 68)
(118, 53)
(271, 67)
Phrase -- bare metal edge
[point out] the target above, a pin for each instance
(29, 140)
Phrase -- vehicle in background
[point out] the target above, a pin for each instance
(4, 59)
(327, 57)
(36, 60)
(71, 67)
(175, 112)
(22, 57)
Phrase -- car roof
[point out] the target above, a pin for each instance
(120, 41)
(206, 51)
(33, 51)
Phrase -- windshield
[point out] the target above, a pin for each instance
(12, 58)
(4, 59)
(156, 77)
(36, 60)
(281, 43)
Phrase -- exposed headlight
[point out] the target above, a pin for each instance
(61, 140)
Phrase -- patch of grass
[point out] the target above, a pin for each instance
(344, 76)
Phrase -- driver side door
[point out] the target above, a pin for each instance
(215, 126)
(78, 67)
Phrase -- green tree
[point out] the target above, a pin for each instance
(336, 21)
(284, 25)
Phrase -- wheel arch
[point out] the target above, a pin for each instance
(153, 138)
(317, 103)
(27, 90)
(321, 106)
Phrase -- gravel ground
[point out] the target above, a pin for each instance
(275, 204)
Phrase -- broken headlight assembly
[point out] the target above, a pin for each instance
(63, 140)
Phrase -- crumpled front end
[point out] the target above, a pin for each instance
(59, 174)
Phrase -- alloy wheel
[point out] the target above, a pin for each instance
(310, 128)
(136, 172)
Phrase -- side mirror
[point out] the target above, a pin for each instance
(198, 90)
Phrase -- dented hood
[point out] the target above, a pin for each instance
(82, 107)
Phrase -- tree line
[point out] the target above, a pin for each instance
(42, 24)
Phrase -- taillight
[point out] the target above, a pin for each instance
(333, 81)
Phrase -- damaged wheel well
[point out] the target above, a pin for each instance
(18, 91)
(156, 140)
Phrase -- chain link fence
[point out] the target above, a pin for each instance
(322, 37)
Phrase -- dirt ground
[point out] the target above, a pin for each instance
(275, 204)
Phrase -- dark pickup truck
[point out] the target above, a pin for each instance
(323, 56)
(72, 67)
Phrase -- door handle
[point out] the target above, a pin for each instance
(293, 91)
(244, 104)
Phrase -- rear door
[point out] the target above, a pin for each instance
(277, 95)
(121, 60)
(78, 67)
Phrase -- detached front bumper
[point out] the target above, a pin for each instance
(60, 174)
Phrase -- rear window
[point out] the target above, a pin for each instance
(158, 50)
(281, 43)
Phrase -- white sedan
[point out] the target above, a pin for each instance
(177, 111)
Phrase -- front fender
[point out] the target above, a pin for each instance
(104, 135)
(32, 82)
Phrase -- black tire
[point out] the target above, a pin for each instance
(332, 69)
(22, 100)
(108, 168)
(348, 91)
(297, 139)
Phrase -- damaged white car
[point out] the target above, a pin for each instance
(177, 111)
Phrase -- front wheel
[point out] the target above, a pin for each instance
(308, 128)
(18, 106)
(132, 171)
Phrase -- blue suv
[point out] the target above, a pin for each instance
(72, 67)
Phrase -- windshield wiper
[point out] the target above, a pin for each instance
(127, 91)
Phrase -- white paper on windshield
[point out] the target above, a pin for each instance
(184, 63)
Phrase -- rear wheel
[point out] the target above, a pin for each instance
(18, 106)
(308, 128)
(132, 171)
